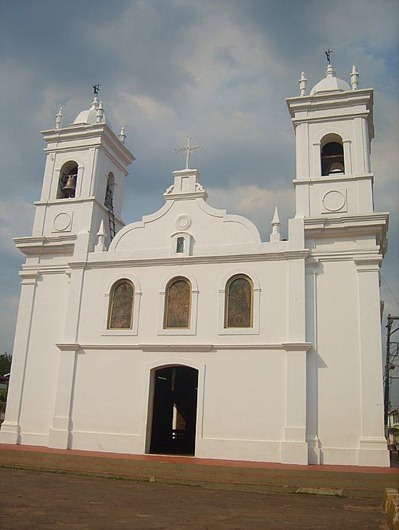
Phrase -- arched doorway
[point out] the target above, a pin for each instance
(174, 410)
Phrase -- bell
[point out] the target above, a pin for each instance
(70, 186)
(336, 167)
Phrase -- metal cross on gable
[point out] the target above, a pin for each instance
(188, 149)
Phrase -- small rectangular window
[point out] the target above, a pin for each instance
(180, 245)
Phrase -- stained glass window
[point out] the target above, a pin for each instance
(121, 305)
(177, 304)
(238, 307)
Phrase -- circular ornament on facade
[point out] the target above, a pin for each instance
(62, 222)
(183, 222)
(333, 201)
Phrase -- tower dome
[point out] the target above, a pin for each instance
(330, 83)
(95, 114)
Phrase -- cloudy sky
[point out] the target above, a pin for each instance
(217, 69)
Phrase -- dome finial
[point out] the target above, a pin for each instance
(330, 70)
(303, 82)
(59, 119)
(96, 89)
(122, 135)
(354, 78)
(95, 104)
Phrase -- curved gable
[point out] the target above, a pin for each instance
(206, 227)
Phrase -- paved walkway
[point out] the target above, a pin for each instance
(77, 490)
(346, 481)
(49, 501)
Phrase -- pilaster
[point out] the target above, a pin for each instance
(11, 430)
(312, 369)
(296, 300)
(294, 448)
(60, 431)
(372, 443)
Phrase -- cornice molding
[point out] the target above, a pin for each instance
(95, 135)
(187, 348)
(318, 256)
(121, 261)
(333, 179)
(35, 245)
(68, 346)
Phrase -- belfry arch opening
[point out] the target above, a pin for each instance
(67, 181)
(332, 155)
(173, 410)
(109, 192)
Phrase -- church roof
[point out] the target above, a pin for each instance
(330, 83)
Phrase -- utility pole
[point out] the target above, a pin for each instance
(390, 364)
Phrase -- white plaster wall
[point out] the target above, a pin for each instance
(272, 313)
(244, 396)
(108, 392)
(243, 402)
(356, 196)
(338, 355)
(43, 357)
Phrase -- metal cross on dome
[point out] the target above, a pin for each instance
(96, 89)
(188, 149)
(328, 55)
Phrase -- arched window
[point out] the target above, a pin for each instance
(67, 181)
(121, 305)
(238, 302)
(177, 311)
(332, 156)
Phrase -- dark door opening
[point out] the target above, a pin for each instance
(174, 412)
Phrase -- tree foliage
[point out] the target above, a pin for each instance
(5, 367)
(5, 363)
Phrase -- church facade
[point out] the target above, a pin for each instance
(184, 333)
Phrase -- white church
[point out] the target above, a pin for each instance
(184, 333)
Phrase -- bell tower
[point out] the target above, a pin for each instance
(86, 164)
(346, 240)
(334, 128)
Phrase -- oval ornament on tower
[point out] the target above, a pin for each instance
(334, 201)
(183, 222)
(62, 222)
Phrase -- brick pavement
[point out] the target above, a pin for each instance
(347, 481)
(78, 490)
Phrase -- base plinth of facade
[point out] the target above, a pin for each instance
(59, 439)
(10, 433)
(294, 453)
